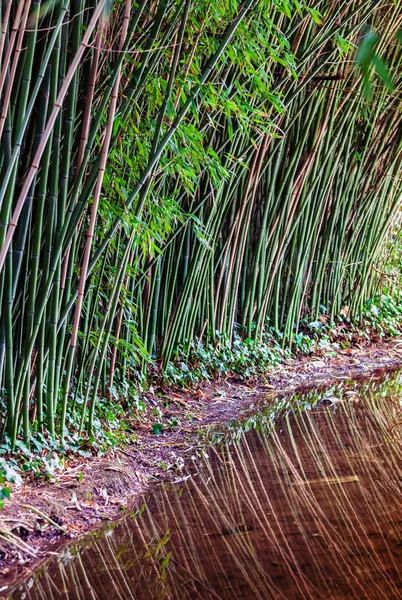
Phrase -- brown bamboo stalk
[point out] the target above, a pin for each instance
(13, 69)
(4, 31)
(98, 187)
(47, 131)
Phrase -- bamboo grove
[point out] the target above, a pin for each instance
(172, 170)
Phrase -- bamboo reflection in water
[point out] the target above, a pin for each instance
(307, 506)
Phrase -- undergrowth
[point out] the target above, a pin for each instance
(381, 317)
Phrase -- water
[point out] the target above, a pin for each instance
(291, 504)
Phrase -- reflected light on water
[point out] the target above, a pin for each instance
(291, 504)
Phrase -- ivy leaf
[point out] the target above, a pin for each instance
(5, 493)
(157, 428)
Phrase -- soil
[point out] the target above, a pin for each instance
(42, 516)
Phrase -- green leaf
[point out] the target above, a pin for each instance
(157, 428)
(5, 492)
(315, 15)
(364, 54)
(383, 72)
(366, 83)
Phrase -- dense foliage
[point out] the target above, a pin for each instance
(177, 170)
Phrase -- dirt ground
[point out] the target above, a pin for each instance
(42, 516)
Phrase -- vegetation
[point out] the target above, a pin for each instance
(172, 171)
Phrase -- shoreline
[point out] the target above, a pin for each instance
(42, 517)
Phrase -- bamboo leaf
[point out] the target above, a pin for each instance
(383, 72)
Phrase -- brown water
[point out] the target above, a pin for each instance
(292, 504)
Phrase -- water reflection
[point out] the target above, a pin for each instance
(308, 505)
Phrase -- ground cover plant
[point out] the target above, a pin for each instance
(179, 171)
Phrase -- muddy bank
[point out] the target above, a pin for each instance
(42, 516)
